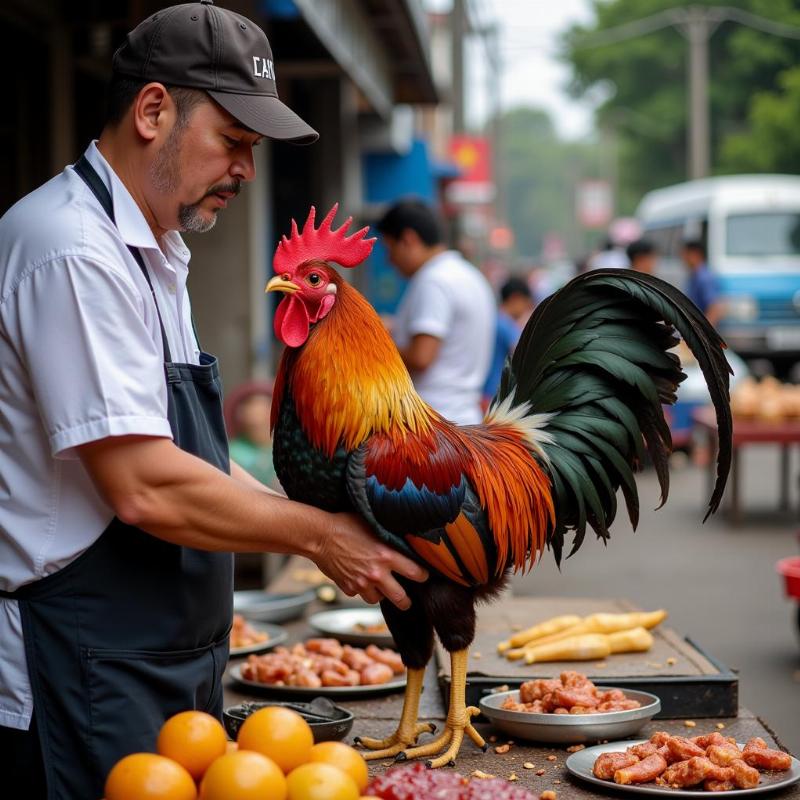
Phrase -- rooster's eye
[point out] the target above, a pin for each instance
(314, 279)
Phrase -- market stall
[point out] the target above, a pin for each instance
(697, 694)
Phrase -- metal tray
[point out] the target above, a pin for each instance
(682, 696)
(580, 765)
(319, 691)
(268, 607)
(341, 624)
(570, 728)
(277, 635)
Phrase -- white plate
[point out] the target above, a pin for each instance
(341, 624)
(277, 635)
(580, 765)
(394, 685)
(270, 607)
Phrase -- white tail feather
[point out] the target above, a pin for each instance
(531, 425)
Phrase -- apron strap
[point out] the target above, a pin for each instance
(90, 177)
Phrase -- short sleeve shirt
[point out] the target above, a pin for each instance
(450, 299)
(82, 357)
(507, 334)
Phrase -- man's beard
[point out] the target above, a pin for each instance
(165, 174)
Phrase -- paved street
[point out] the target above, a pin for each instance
(718, 582)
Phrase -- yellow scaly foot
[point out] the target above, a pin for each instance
(458, 723)
(408, 730)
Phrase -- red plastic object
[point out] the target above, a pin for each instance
(790, 569)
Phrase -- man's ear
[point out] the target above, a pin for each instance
(410, 238)
(153, 111)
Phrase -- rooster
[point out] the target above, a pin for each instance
(578, 410)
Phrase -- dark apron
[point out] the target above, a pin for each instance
(135, 629)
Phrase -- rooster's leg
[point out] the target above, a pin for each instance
(408, 730)
(458, 723)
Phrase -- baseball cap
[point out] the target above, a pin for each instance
(201, 46)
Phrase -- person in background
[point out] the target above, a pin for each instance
(610, 256)
(516, 305)
(444, 326)
(247, 411)
(643, 256)
(703, 287)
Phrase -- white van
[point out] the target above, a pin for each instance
(751, 227)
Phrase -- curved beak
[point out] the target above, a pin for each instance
(281, 284)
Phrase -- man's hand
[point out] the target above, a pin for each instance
(354, 559)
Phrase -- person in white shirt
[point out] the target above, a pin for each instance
(120, 507)
(445, 323)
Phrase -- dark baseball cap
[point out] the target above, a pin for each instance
(201, 46)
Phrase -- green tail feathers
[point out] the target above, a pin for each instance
(595, 355)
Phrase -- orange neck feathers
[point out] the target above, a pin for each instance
(348, 380)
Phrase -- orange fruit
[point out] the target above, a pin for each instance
(193, 739)
(243, 775)
(340, 755)
(146, 776)
(278, 733)
(318, 781)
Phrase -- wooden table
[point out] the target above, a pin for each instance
(748, 432)
(378, 716)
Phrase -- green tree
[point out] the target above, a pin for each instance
(645, 81)
(772, 141)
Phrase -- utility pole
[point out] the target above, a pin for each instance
(494, 77)
(697, 25)
(459, 28)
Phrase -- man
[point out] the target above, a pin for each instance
(642, 255)
(516, 305)
(610, 256)
(703, 287)
(120, 508)
(444, 326)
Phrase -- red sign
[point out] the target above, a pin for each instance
(473, 155)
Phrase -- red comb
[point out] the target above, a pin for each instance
(322, 244)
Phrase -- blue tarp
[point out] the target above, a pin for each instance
(389, 177)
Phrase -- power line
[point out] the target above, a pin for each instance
(676, 17)
(697, 24)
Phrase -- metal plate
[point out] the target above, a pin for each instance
(570, 728)
(341, 624)
(580, 765)
(277, 635)
(319, 691)
(267, 607)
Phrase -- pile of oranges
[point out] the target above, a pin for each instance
(274, 758)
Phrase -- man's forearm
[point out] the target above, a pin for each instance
(240, 474)
(152, 484)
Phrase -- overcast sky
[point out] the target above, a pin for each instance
(532, 74)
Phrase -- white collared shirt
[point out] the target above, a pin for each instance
(81, 359)
(450, 299)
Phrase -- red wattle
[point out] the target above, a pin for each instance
(291, 322)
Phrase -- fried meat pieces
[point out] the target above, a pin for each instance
(711, 760)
